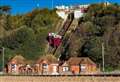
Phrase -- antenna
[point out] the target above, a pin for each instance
(52, 4)
(37, 4)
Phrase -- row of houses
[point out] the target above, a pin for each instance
(49, 65)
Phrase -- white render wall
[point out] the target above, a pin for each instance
(78, 14)
(62, 14)
(63, 11)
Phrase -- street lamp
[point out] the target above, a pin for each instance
(3, 57)
(103, 52)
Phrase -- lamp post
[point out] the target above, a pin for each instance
(3, 57)
(103, 52)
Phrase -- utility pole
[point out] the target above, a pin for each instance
(3, 56)
(103, 63)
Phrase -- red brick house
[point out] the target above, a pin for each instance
(47, 65)
(15, 64)
(64, 69)
(78, 65)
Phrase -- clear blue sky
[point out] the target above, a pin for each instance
(23, 6)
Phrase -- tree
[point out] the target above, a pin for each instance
(4, 10)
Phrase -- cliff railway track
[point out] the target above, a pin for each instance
(62, 31)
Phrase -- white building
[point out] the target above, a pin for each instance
(62, 14)
(63, 11)
(62, 7)
(78, 14)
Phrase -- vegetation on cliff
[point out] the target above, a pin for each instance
(100, 25)
(26, 34)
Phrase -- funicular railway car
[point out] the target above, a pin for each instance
(54, 40)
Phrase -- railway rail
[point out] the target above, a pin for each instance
(67, 37)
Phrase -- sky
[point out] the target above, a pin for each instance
(24, 6)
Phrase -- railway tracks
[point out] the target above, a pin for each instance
(62, 32)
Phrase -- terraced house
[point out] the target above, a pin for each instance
(49, 65)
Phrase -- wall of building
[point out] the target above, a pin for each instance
(75, 69)
(78, 14)
(62, 14)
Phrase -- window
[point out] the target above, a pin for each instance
(13, 67)
(65, 69)
(45, 66)
(83, 68)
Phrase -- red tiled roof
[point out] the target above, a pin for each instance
(48, 59)
(80, 60)
(18, 59)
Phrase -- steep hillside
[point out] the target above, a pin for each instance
(99, 26)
